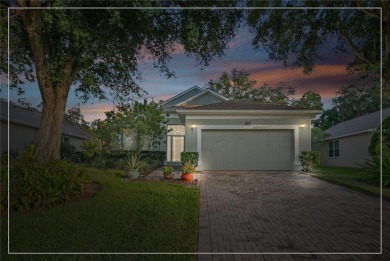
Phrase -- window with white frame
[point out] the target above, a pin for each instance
(334, 149)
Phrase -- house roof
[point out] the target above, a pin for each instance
(22, 116)
(208, 91)
(359, 125)
(182, 94)
(242, 105)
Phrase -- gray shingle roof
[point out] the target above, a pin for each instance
(241, 105)
(26, 117)
(362, 124)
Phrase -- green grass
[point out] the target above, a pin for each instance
(122, 217)
(349, 177)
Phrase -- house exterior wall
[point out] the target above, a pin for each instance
(353, 151)
(205, 99)
(76, 142)
(20, 136)
(301, 142)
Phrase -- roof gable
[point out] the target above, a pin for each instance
(204, 98)
(362, 124)
(183, 96)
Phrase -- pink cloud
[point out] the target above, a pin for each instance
(95, 111)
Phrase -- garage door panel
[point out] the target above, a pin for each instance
(207, 154)
(262, 150)
(251, 155)
(230, 160)
(218, 157)
(207, 135)
(251, 135)
(247, 149)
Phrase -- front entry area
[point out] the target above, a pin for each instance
(175, 142)
(247, 149)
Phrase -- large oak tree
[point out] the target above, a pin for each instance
(98, 51)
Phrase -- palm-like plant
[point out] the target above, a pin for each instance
(371, 170)
(134, 162)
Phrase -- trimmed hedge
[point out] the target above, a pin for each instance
(190, 157)
(153, 157)
(309, 160)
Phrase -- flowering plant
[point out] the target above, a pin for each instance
(188, 168)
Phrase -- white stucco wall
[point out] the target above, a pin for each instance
(301, 134)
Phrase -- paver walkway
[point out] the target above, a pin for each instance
(287, 212)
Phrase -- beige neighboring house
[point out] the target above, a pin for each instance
(235, 134)
(24, 129)
(348, 142)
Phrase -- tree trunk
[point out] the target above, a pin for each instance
(49, 142)
(54, 95)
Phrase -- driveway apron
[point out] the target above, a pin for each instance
(287, 212)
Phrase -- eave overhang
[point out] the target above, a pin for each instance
(306, 113)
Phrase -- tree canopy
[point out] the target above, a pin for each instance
(309, 100)
(353, 101)
(295, 36)
(240, 87)
(97, 51)
(74, 116)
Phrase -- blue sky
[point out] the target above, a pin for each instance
(328, 77)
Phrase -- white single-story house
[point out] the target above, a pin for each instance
(348, 141)
(235, 134)
(24, 129)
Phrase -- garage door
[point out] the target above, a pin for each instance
(247, 149)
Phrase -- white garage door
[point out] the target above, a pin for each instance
(247, 150)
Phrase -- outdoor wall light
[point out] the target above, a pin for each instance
(193, 126)
(302, 125)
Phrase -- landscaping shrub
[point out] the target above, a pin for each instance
(309, 160)
(189, 157)
(80, 157)
(68, 152)
(34, 185)
(371, 170)
(13, 156)
(374, 148)
(153, 157)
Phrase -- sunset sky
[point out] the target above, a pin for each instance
(328, 77)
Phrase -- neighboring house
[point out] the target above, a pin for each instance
(235, 134)
(24, 129)
(348, 142)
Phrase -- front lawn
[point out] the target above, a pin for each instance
(132, 216)
(348, 177)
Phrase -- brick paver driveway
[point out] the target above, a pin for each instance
(273, 212)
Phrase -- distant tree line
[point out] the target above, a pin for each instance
(352, 101)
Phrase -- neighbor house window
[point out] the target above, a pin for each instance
(334, 149)
(65, 139)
